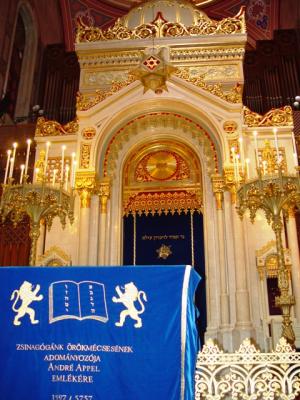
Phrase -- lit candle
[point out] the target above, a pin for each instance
(73, 174)
(11, 168)
(22, 173)
(276, 144)
(72, 167)
(27, 156)
(37, 170)
(7, 166)
(247, 168)
(238, 167)
(15, 145)
(46, 157)
(54, 176)
(63, 148)
(295, 150)
(242, 150)
(234, 163)
(256, 148)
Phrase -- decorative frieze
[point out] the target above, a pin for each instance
(276, 117)
(46, 127)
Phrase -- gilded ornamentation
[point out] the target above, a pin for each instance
(85, 184)
(103, 191)
(88, 133)
(53, 128)
(54, 255)
(39, 202)
(218, 186)
(195, 55)
(87, 101)
(276, 117)
(164, 251)
(233, 96)
(162, 28)
(230, 127)
(157, 120)
(85, 153)
(247, 373)
(275, 196)
(153, 72)
(39, 166)
(215, 72)
(163, 202)
(268, 156)
(162, 166)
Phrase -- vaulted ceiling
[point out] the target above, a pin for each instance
(261, 15)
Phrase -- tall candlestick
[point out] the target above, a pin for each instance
(54, 176)
(7, 166)
(11, 168)
(247, 162)
(46, 157)
(27, 156)
(15, 145)
(73, 174)
(242, 153)
(256, 148)
(276, 144)
(63, 148)
(22, 173)
(67, 177)
(295, 150)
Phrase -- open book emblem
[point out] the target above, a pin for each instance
(77, 300)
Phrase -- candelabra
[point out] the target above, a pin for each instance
(39, 201)
(275, 194)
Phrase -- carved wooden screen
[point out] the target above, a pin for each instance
(14, 243)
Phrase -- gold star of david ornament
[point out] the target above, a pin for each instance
(153, 72)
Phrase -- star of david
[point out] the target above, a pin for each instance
(151, 63)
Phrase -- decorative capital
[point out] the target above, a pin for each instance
(103, 191)
(218, 189)
(85, 184)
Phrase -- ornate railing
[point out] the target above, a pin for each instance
(247, 374)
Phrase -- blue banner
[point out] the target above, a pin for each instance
(81, 333)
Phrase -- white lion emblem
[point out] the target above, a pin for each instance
(127, 298)
(27, 295)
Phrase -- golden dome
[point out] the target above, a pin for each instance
(181, 11)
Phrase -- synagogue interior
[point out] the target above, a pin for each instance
(167, 133)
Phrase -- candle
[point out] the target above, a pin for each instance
(37, 170)
(295, 150)
(46, 157)
(63, 148)
(247, 168)
(11, 167)
(242, 154)
(27, 156)
(276, 144)
(54, 176)
(22, 173)
(73, 174)
(7, 166)
(67, 177)
(238, 167)
(72, 168)
(15, 145)
(256, 148)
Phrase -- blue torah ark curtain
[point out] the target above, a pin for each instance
(81, 333)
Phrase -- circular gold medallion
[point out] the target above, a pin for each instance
(161, 165)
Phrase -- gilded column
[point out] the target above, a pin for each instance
(218, 185)
(103, 191)
(85, 184)
(294, 248)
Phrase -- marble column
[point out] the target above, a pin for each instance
(224, 297)
(104, 192)
(94, 231)
(294, 248)
(242, 293)
(85, 202)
